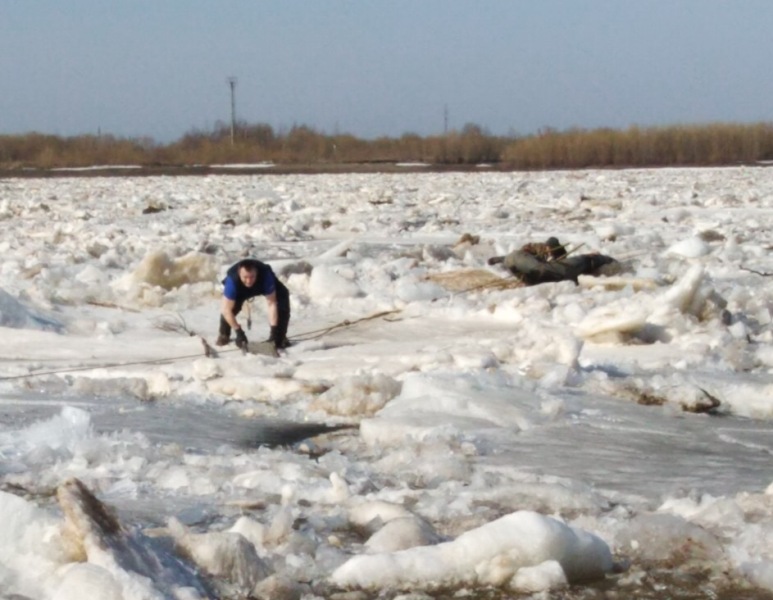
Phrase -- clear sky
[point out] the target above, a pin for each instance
(159, 68)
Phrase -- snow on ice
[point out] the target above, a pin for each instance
(434, 427)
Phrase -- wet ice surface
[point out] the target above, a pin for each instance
(465, 406)
(636, 451)
(650, 454)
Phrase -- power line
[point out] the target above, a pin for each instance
(232, 83)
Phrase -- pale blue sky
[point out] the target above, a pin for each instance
(159, 68)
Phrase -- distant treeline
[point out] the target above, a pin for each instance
(696, 145)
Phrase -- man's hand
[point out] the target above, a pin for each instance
(280, 341)
(241, 339)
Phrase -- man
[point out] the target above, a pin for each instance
(246, 279)
(538, 262)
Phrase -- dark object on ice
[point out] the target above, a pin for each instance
(264, 348)
(209, 351)
(547, 262)
(550, 250)
(285, 433)
(711, 405)
(468, 238)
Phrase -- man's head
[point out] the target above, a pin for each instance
(557, 249)
(248, 274)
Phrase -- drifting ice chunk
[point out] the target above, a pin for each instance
(543, 577)
(490, 555)
(224, 555)
(689, 295)
(383, 512)
(691, 248)
(613, 319)
(683, 295)
(134, 561)
(325, 282)
(160, 272)
(15, 314)
(84, 580)
(401, 534)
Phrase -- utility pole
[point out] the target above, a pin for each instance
(232, 83)
(445, 119)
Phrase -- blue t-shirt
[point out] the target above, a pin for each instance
(265, 282)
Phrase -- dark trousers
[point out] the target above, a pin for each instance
(283, 305)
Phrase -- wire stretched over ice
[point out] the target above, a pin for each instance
(317, 333)
(208, 350)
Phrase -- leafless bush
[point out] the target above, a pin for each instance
(706, 145)
(697, 145)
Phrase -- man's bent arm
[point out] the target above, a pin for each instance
(227, 310)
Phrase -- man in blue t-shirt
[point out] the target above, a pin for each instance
(246, 279)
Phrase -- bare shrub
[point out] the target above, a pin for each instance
(687, 145)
